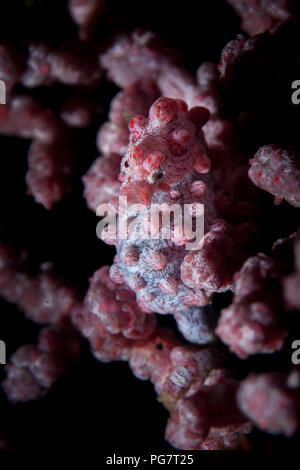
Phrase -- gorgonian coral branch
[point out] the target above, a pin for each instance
(118, 330)
(277, 170)
(50, 154)
(143, 54)
(43, 298)
(34, 369)
(37, 64)
(110, 318)
(271, 401)
(292, 282)
(254, 323)
(259, 16)
(85, 13)
(257, 321)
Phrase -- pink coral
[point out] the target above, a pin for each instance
(135, 99)
(199, 422)
(85, 14)
(44, 65)
(34, 369)
(50, 155)
(43, 298)
(259, 16)
(271, 401)
(292, 282)
(254, 323)
(101, 181)
(276, 170)
(143, 54)
(110, 318)
(155, 354)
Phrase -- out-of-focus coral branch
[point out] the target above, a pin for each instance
(271, 401)
(118, 330)
(85, 14)
(277, 170)
(258, 16)
(43, 298)
(143, 54)
(292, 282)
(34, 369)
(257, 320)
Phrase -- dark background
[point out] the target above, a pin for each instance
(102, 406)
